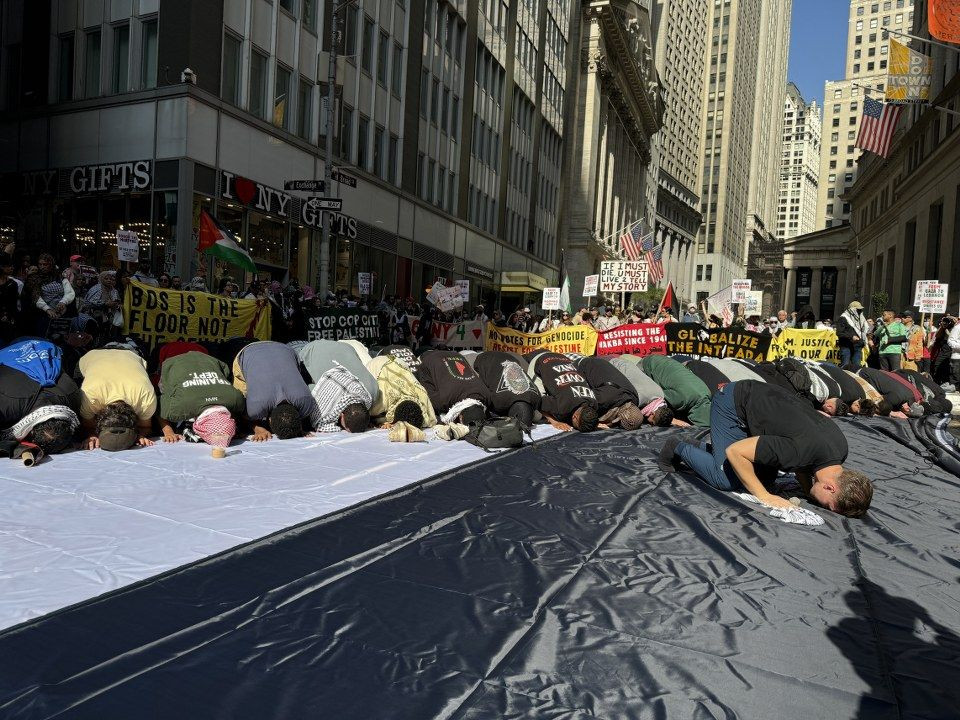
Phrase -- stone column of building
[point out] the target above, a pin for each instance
(617, 110)
(791, 290)
(816, 282)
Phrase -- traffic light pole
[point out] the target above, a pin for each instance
(323, 281)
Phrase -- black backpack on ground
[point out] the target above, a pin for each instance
(496, 433)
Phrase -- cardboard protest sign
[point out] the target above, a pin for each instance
(590, 285)
(158, 315)
(128, 246)
(695, 340)
(580, 339)
(623, 276)
(363, 283)
(551, 298)
(818, 345)
(637, 339)
(933, 297)
(739, 290)
(342, 324)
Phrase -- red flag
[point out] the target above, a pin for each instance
(670, 302)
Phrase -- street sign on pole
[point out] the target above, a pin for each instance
(343, 178)
(321, 203)
(304, 185)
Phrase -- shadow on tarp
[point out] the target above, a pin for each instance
(908, 659)
(569, 579)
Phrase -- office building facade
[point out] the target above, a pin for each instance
(866, 69)
(745, 81)
(112, 133)
(615, 112)
(799, 166)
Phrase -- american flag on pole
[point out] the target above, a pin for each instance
(630, 240)
(654, 257)
(877, 126)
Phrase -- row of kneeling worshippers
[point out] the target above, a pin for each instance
(264, 390)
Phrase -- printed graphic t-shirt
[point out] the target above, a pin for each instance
(194, 381)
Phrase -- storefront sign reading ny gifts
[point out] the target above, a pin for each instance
(280, 204)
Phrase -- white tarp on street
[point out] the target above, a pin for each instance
(86, 523)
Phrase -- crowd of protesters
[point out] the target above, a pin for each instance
(69, 376)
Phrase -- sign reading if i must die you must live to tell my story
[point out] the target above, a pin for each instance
(623, 276)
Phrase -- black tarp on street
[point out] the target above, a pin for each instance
(571, 579)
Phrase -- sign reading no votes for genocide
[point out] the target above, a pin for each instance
(158, 315)
(566, 339)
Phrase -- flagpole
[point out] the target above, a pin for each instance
(888, 31)
(927, 103)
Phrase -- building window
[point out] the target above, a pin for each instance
(230, 82)
(65, 69)
(369, 38)
(310, 15)
(346, 127)
(289, 5)
(699, 273)
(91, 63)
(281, 99)
(455, 118)
(258, 84)
(397, 70)
(392, 159)
(379, 166)
(363, 139)
(435, 102)
(383, 48)
(148, 54)
(350, 32)
(425, 94)
(304, 108)
(121, 58)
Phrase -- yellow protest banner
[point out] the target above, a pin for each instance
(815, 345)
(567, 339)
(159, 315)
(908, 76)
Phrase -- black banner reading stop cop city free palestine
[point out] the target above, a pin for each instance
(697, 341)
(342, 324)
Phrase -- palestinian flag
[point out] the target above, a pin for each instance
(670, 302)
(565, 305)
(222, 243)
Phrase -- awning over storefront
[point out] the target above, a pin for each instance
(521, 281)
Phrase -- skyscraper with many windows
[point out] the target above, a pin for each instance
(746, 76)
(799, 166)
(866, 70)
(449, 136)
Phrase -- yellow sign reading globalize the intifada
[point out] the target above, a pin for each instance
(908, 75)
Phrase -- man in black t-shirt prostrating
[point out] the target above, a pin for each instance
(757, 429)
(568, 400)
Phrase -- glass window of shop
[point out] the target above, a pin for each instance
(88, 226)
(283, 251)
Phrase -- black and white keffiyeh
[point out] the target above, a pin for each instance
(334, 390)
(48, 412)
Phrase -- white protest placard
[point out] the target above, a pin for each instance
(918, 291)
(445, 298)
(363, 281)
(933, 298)
(551, 299)
(740, 290)
(590, 285)
(128, 246)
(464, 286)
(623, 276)
(753, 303)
